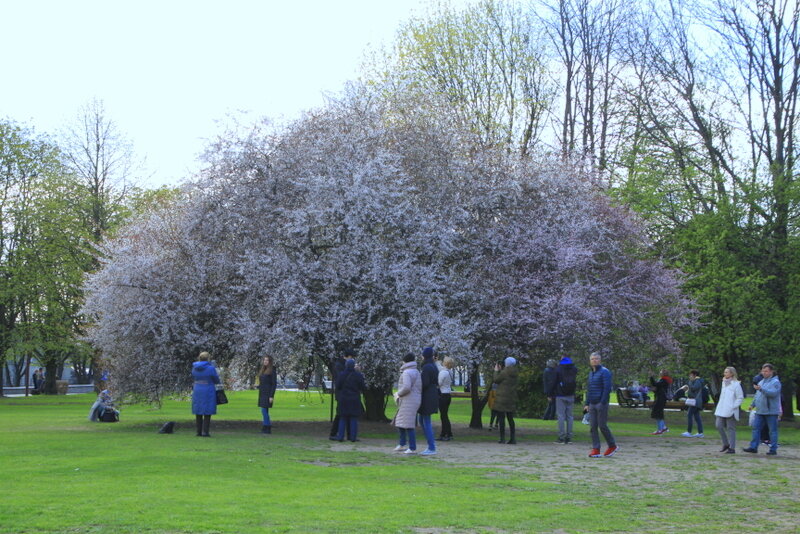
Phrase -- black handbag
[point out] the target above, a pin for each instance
(221, 397)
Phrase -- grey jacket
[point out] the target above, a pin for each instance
(768, 399)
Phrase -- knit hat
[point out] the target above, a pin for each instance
(565, 360)
(510, 361)
(427, 353)
(349, 353)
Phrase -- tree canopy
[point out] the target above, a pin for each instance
(356, 228)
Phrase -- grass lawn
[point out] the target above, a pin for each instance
(61, 473)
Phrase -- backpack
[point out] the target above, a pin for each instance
(705, 394)
(568, 383)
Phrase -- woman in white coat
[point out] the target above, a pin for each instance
(727, 412)
(408, 399)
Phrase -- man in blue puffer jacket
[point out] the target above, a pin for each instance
(598, 394)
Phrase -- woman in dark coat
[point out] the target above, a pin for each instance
(267, 382)
(657, 411)
(204, 393)
(350, 385)
(430, 398)
(506, 401)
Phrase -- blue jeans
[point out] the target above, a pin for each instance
(265, 416)
(693, 414)
(772, 423)
(412, 438)
(427, 428)
(351, 423)
(660, 424)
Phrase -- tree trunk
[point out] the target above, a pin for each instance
(787, 392)
(477, 402)
(50, 377)
(375, 401)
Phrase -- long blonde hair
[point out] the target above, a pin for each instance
(733, 372)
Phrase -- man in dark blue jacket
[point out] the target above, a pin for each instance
(598, 394)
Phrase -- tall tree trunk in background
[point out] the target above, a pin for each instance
(375, 409)
(477, 402)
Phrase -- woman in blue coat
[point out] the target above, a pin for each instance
(350, 385)
(267, 383)
(204, 393)
(430, 398)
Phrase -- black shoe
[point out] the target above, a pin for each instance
(772, 453)
(441, 438)
(724, 448)
(748, 449)
(512, 441)
(354, 440)
(730, 451)
(206, 435)
(502, 441)
(334, 438)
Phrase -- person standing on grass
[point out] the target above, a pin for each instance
(506, 401)
(598, 394)
(548, 380)
(562, 392)
(204, 393)
(727, 411)
(267, 383)
(338, 369)
(694, 390)
(408, 399)
(445, 388)
(767, 403)
(350, 385)
(660, 389)
(430, 398)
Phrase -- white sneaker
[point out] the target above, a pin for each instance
(410, 451)
(427, 452)
(399, 448)
(698, 435)
(686, 435)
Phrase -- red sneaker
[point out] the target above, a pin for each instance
(594, 453)
(657, 433)
(610, 451)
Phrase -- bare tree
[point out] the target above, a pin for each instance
(98, 153)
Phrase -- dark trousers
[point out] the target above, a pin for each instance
(335, 427)
(444, 406)
(550, 411)
(351, 424)
(511, 426)
(203, 423)
(693, 414)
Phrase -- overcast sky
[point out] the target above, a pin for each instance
(169, 70)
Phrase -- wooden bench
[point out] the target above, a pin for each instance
(678, 405)
(624, 399)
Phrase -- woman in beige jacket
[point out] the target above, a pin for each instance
(408, 398)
